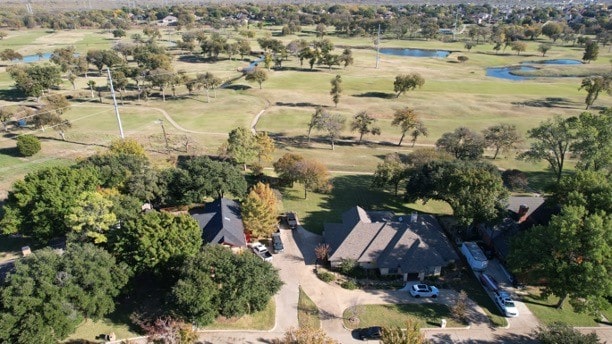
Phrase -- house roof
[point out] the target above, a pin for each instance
(388, 240)
(533, 203)
(221, 222)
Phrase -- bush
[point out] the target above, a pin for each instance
(515, 180)
(350, 268)
(326, 276)
(28, 145)
(349, 284)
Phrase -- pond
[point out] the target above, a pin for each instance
(35, 58)
(555, 61)
(506, 72)
(415, 52)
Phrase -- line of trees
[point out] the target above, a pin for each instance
(97, 206)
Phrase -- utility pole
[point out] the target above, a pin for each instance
(378, 47)
(161, 122)
(110, 82)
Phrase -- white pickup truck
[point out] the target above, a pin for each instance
(261, 250)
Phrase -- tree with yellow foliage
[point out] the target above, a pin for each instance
(260, 211)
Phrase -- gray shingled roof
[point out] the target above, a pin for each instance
(221, 222)
(413, 246)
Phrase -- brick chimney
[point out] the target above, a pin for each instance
(523, 209)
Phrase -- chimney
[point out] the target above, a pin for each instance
(523, 209)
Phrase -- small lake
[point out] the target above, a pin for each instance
(555, 62)
(506, 72)
(415, 52)
(35, 58)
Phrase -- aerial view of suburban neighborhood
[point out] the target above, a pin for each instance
(305, 172)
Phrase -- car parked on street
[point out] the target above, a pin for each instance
(424, 290)
(367, 333)
(506, 304)
(262, 251)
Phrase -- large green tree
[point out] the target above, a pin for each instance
(48, 294)
(501, 137)
(406, 118)
(363, 123)
(242, 146)
(474, 190)
(407, 82)
(595, 85)
(34, 80)
(573, 253)
(589, 189)
(242, 284)
(332, 124)
(286, 167)
(591, 50)
(462, 143)
(551, 142)
(38, 205)
(155, 239)
(257, 75)
(593, 143)
(392, 171)
(200, 177)
(114, 170)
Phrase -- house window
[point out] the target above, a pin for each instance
(393, 271)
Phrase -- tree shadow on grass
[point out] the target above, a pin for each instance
(548, 102)
(12, 94)
(301, 104)
(383, 95)
(11, 151)
(238, 87)
(540, 181)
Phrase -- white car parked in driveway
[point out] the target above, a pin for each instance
(424, 290)
(505, 303)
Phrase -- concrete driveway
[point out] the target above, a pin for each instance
(296, 268)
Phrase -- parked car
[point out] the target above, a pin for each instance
(489, 282)
(261, 250)
(506, 304)
(277, 243)
(424, 290)
(366, 333)
(292, 220)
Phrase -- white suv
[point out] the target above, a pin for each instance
(424, 290)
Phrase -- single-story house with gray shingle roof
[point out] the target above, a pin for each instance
(413, 245)
(221, 223)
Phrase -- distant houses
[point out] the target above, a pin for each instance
(413, 247)
(168, 21)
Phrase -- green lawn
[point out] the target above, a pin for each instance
(263, 320)
(545, 310)
(426, 314)
(349, 190)
(88, 330)
(308, 313)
